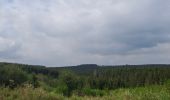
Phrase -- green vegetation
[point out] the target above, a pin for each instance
(84, 82)
(140, 93)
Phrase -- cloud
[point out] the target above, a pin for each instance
(62, 32)
(5, 44)
(8, 48)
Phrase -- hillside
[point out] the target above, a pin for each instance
(89, 80)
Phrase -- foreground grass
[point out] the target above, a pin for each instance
(140, 93)
(27, 93)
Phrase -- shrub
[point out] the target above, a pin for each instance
(12, 76)
(93, 92)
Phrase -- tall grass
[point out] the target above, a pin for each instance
(27, 93)
(140, 93)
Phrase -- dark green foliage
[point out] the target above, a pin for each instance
(34, 81)
(87, 79)
(12, 76)
(120, 77)
(71, 81)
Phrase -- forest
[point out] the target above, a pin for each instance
(84, 82)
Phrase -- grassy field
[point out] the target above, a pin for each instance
(140, 93)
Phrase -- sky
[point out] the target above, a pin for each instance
(73, 32)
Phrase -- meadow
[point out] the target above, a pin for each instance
(140, 93)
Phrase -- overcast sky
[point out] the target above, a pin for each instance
(72, 32)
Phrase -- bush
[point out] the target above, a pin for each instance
(12, 76)
(93, 92)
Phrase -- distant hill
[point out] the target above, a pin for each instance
(79, 69)
(90, 68)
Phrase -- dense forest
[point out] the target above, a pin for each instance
(82, 80)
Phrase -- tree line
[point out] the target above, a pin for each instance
(82, 79)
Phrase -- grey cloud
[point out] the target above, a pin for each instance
(62, 32)
(143, 27)
(8, 48)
